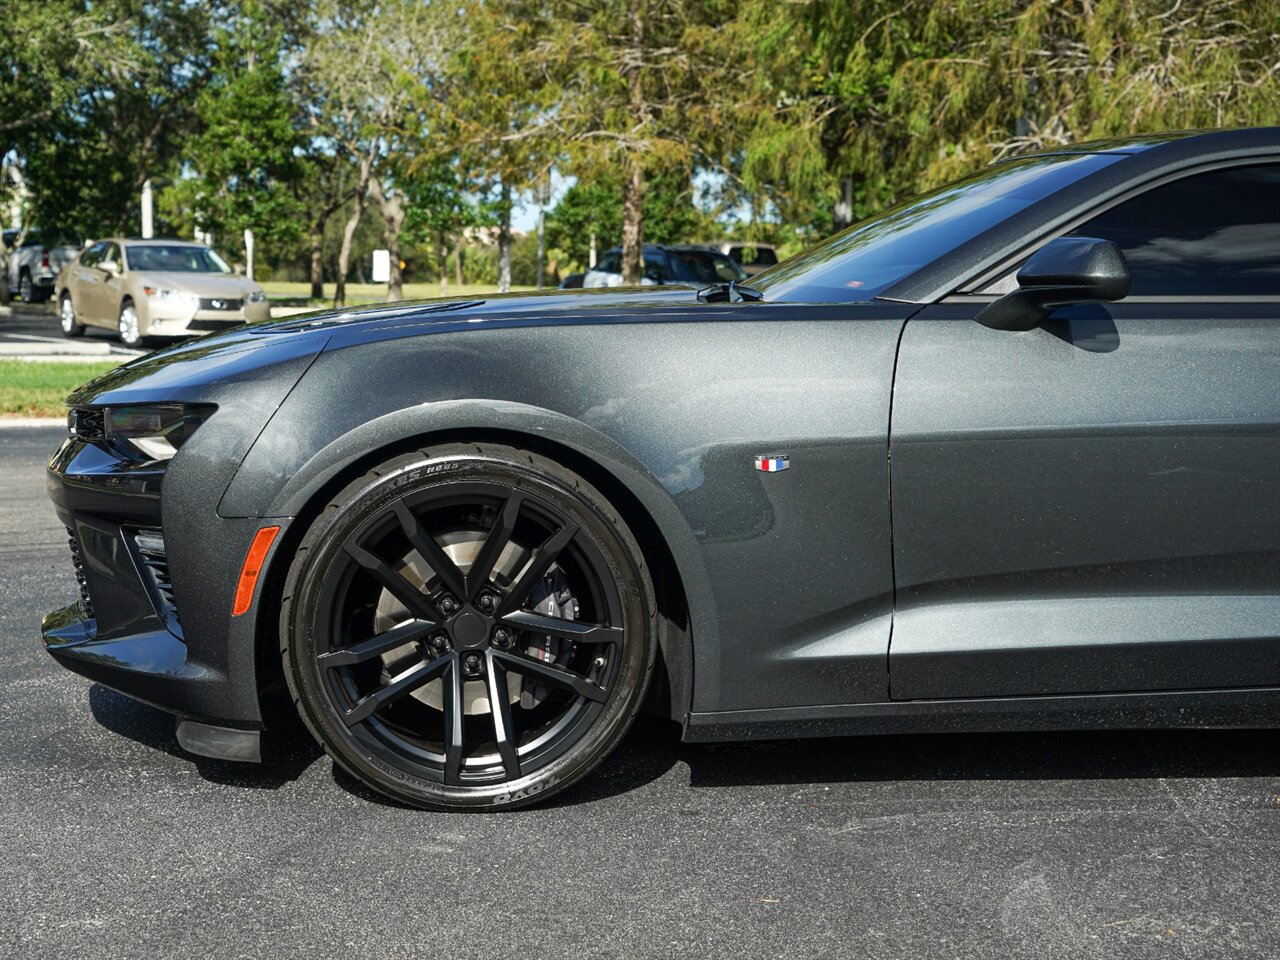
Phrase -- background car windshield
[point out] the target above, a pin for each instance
(703, 266)
(175, 259)
(860, 262)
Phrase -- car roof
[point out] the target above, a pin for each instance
(1168, 141)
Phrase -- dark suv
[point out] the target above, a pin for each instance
(685, 265)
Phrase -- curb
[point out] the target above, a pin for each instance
(18, 423)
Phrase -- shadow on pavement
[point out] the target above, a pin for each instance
(653, 748)
(286, 752)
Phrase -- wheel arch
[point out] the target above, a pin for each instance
(671, 693)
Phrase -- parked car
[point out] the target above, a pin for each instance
(34, 265)
(686, 265)
(470, 535)
(154, 288)
(573, 281)
(752, 257)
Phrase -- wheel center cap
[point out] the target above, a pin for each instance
(469, 630)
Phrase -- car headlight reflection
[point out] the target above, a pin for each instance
(255, 296)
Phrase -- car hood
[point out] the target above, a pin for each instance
(170, 373)
(229, 286)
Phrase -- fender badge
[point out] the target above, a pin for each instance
(772, 464)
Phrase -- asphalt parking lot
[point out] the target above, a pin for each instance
(116, 844)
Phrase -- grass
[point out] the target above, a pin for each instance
(32, 388)
(374, 292)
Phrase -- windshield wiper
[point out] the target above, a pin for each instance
(731, 292)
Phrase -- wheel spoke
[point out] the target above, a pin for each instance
(405, 683)
(574, 630)
(497, 540)
(430, 551)
(532, 667)
(397, 636)
(537, 567)
(453, 718)
(399, 587)
(500, 708)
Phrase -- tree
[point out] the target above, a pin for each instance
(493, 103)
(244, 164)
(858, 105)
(438, 211)
(644, 87)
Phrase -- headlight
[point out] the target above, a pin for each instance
(255, 296)
(153, 431)
(172, 296)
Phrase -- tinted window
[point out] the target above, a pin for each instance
(860, 262)
(1213, 234)
(612, 263)
(655, 266)
(756, 256)
(703, 266)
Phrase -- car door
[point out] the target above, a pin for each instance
(1094, 505)
(85, 280)
(108, 290)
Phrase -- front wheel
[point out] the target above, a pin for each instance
(468, 627)
(128, 327)
(67, 318)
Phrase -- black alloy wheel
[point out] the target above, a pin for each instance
(468, 627)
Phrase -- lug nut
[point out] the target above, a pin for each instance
(440, 643)
(502, 638)
(486, 603)
(447, 604)
(471, 664)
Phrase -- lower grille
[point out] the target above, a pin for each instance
(213, 324)
(155, 568)
(218, 303)
(77, 561)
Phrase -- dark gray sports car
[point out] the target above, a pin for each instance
(1006, 456)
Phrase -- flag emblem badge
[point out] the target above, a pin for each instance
(772, 464)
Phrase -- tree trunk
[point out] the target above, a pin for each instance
(633, 180)
(443, 249)
(457, 261)
(542, 247)
(317, 260)
(349, 229)
(392, 210)
(504, 241)
(633, 222)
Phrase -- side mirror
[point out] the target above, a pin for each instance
(110, 266)
(654, 275)
(1064, 271)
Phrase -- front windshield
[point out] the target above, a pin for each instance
(175, 258)
(860, 262)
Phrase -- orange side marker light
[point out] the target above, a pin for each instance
(253, 560)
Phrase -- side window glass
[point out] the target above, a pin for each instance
(655, 265)
(1211, 234)
(91, 256)
(612, 263)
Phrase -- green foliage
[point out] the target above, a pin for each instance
(244, 161)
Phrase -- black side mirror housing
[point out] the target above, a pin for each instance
(654, 275)
(1064, 271)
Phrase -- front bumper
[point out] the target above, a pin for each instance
(162, 319)
(153, 622)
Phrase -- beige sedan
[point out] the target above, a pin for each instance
(154, 288)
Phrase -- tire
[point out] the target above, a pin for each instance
(26, 289)
(128, 328)
(67, 321)
(411, 646)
